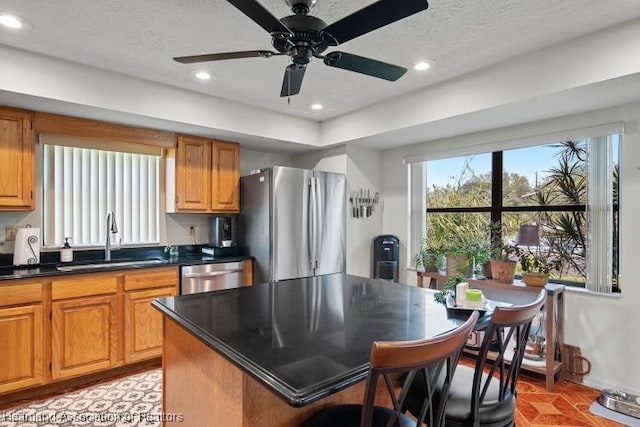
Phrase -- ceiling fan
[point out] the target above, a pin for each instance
(303, 37)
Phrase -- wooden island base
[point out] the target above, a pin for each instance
(201, 387)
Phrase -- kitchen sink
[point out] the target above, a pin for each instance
(110, 264)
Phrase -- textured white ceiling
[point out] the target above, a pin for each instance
(140, 38)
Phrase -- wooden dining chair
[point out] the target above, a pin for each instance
(485, 395)
(436, 357)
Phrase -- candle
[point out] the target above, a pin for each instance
(474, 295)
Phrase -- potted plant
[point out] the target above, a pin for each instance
(481, 253)
(503, 266)
(428, 258)
(459, 260)
(536, 267)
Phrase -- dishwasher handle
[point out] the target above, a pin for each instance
(212, 273)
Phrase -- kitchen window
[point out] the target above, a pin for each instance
(83, 180)
(568, 187)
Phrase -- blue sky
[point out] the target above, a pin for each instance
(525, 161)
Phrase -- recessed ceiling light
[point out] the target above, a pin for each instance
(202, 75)
(317, 107)
(11, 21)
(422, 66)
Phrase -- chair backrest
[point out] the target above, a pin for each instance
(501, 353)
(431, 355)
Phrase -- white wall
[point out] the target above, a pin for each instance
(363, 172)
(603, 327)
(252, 160)
(332, 159)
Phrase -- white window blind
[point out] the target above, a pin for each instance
(600, 214)
(83, 184)
(417, 208)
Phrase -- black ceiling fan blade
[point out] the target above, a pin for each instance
(372, 17)
(368, 66)
(292, 81)
(260, 16)
(227, 55)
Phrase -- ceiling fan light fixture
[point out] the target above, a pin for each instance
(317, 106)
(11, 21)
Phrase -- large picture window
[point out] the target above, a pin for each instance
(83, 184)
(568, 188)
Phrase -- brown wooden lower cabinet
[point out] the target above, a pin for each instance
(84, 336)
(22, 344)
(71, 326)
(143, 324)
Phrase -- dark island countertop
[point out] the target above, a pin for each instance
(307, 338)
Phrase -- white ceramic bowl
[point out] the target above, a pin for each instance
(227, 243)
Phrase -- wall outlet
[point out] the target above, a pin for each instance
(192, 230)
(10, 232)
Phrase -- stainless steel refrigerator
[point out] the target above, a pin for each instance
(292, 221)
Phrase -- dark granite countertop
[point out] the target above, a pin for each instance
(307, 338)
(121, 260)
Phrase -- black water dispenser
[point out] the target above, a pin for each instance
(386, 257)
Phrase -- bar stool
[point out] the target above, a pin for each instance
(435, 357)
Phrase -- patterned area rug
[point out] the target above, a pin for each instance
(131, 401)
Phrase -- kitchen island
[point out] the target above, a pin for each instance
(272, 354)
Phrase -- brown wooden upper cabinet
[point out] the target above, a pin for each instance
(203, 175)
(17, 154)
(225, 176)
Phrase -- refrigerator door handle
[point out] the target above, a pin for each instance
(319, 221)
(311, 224)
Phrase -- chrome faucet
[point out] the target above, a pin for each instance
(112, 227)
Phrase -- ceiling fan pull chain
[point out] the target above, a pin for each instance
(289, 89)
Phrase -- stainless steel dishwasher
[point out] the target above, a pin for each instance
(211, 277)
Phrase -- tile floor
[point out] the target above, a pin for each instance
(567, 405)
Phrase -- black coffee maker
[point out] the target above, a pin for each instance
(222, 231)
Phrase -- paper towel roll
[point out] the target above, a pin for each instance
(461, 290)
(27, 247)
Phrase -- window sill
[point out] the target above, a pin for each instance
(586, 292)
